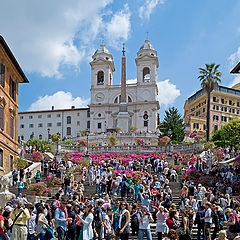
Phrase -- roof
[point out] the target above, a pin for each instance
(13, 59)
(55, 110)
(236, 69)
(102, 49)
(147, 45)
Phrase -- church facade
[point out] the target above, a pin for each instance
(141, 97)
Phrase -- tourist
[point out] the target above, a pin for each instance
(86, 219)
(144, 219)
(124, 220)
(14, 177)
(98, 221)
(172, 235)
(3, 231)
(61, 218)
(183, 231)
(161, 227)
(232, 219)
(32, 224)
(207, 221)
(28, 177)
(20, 215)
(20, 187)
(21, 174)
(134, 221)
(38, 176)
(108, 220)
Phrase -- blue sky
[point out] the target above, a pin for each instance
(54, 40)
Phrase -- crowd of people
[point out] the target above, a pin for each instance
(125, 207)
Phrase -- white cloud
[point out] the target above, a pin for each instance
(235, 81)
(234, 58)
(167, 92)
(60, 100)
(118, 29)
(146, 9)
(131, 81)
(46, 34)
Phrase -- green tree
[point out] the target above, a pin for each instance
(209, 78)
(172, 125)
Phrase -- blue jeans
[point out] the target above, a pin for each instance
(31, 237)
(199, 232)
(66, 189)
(3, 237)
(62, 234)
(41, 236)
(19, 190)
(141, 233)
(97, 188)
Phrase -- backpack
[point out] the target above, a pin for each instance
(236, 227)
(115, 183)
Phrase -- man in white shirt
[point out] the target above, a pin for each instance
(144, 218)
(207, 221)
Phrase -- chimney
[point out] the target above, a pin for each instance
(52, 107)
(73, 107)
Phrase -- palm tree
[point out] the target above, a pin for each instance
(209, 78)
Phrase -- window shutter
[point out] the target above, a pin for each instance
(2, 75)
(11, 127)
(2, 118)
(14, 91)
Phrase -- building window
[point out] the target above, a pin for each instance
(21, 117)
(230, 102)
(11, 127)
(78, 114)
(222, 101)
(215, 117)
(2, 75)
(22, 138)
(99, 125)
(69, 120)
(49, 116)
(215, 99)
(100, 78)
(32, 135)
(88, 124)
(58, 115)
(21, 125)
(68, 131)
(1, 158)
(232, 110)
(88, 113)
(145, 123)
(12, 88)
(39, 116)
(204, 127)
(224, 119)
(2, 118)
(129, 99)
(59, 124)
(196, 125)
(146, 74)
(40, 125)
(215, 128)
(49, 124)
(40, 136)
(31, 125)
(30, 117)
(78, 123)
(238, 111)
(215, 107)
(238, 104)
(203, 109)
(11, 162)
(224, 109)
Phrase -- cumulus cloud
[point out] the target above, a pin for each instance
(167, 92)
(235, 81)
(118, 29)
(46, 34)
(146, 9)
(60, 100)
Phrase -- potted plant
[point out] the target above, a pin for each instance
(53, 181)
(139, 142)
(36, 157)
(38, 188)
(82, 142)
(55, 137)
(112, 140)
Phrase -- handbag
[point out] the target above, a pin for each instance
(109, 235)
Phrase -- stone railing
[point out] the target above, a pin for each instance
(188, 148)
(34, 167)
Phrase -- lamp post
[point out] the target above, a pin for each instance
(170, 135)
(87, 133)
(58, 135)
(48, 130)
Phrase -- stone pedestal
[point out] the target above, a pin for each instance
(5, 196)
(123, 121)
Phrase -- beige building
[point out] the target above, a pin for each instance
(11, 75)
(224, 105)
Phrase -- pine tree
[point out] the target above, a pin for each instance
(172, 125)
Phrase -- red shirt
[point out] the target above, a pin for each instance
(169, 222)
(1, 219)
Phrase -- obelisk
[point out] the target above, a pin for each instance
(123, 117)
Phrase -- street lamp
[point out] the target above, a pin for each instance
(48, 130)
(87, 133)
(58, 135)
(170, 135)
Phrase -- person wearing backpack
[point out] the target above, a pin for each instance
(114, 185)
(98, 221)
(14, 177)
(233, 224)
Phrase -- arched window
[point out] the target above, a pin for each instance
(117, 99)
(129, 99)
(69, 131)
(146, 74)
(40, 136)
(69, 119)
(100, 78)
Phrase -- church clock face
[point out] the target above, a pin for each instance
(99, 97)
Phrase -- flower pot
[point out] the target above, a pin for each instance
(32, 193)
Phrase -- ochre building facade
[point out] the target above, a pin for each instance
(11, 75)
